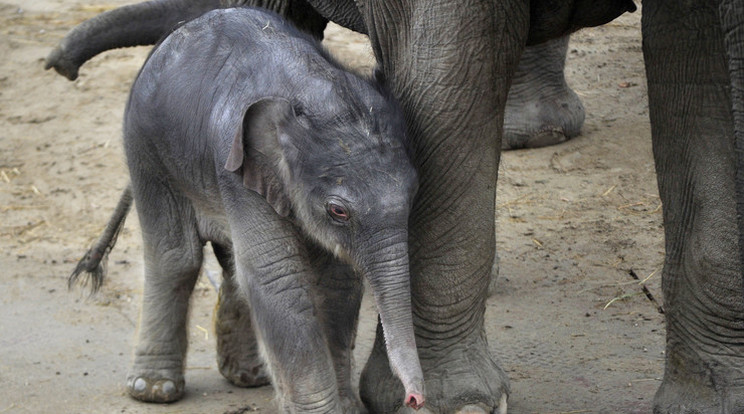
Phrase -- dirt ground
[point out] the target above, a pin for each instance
(569, 321)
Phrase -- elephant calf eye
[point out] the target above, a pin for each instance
(337, 212)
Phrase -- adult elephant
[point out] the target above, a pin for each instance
(450, 65)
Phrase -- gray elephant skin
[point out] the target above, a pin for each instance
(242, 132)
(437, 58)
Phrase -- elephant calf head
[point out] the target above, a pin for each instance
(343, 171)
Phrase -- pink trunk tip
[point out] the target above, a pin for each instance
(415, 401)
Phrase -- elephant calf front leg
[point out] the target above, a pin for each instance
(273, 273)
(339, 296)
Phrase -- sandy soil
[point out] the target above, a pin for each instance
(569, 322)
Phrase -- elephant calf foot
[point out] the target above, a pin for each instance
(237, 346)
(158, 386)
(243, 372)
(158, 390)
(466, 380)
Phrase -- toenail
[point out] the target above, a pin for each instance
(169, 387)
(139, 385)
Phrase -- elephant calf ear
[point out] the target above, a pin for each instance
(257, 150)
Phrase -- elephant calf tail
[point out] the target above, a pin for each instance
(94, 261)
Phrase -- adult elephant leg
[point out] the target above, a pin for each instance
(693, 140)
(542, 109)
(449, 64)
(237, 346)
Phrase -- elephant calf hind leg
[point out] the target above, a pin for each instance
(237, 346)
(156, 374)
(173, 258)
(157, 371)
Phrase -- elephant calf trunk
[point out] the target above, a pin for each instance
(391, 286)
(415, 400)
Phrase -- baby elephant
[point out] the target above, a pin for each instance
(241, 131)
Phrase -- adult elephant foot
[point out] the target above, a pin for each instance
(465, 380)
(238, 357)
(707, 388)
(677, 401)
(541, 109)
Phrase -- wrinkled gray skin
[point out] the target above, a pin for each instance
(694, 53)
(240, 131)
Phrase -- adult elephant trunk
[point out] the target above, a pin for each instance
(134, 25)
(387, 271)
